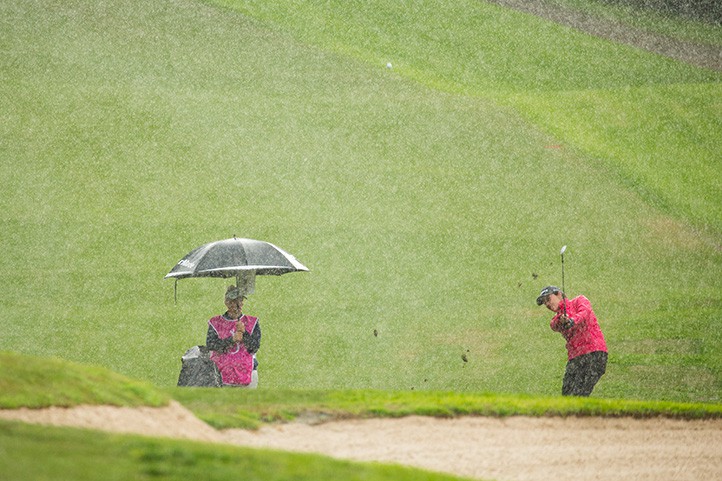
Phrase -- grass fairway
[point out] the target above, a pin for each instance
(430, 200)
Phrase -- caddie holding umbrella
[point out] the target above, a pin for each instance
(586, 348)
(233, 338)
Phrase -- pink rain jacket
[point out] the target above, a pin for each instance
(236, 365)
(586, 335)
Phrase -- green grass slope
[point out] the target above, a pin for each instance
(80, 455)
(692, 22)
(430, 200)
(40, 382)
(608, 100)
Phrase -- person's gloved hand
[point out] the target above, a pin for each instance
(238, 335)
(566, 322)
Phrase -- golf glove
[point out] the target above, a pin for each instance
(567, 322)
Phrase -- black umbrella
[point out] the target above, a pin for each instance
(239, 258)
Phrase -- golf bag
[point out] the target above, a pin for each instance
(198, 370)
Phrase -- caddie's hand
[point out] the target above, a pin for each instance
(238, 336)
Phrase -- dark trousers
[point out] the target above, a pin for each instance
(583, 372)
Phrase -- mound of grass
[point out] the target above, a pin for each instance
(37, 382)
(80, 455)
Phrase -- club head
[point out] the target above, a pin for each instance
(563, 250)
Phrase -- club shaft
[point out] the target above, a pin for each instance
(564, 304)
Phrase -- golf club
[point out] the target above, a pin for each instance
(564, 295)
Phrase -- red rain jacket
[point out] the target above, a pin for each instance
(586, 335)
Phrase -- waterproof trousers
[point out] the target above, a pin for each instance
(583, 372)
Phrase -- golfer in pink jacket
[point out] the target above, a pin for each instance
(586, 348)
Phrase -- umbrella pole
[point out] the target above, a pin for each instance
(175, 291)
(238, 281)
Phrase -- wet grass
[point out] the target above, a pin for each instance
(650, 19)
(40, 382)
(80, 455)
(75, 454)
(430, 200)
(250, 410)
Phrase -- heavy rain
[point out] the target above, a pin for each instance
(425, 161)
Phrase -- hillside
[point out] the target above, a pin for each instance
(429, 199)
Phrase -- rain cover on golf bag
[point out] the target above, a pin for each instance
(198, 370)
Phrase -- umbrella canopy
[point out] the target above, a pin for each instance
(239, 258)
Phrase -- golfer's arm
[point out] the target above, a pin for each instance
(584, 310)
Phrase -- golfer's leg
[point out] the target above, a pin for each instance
(580, 376)
(570, 379)
(595, 366)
